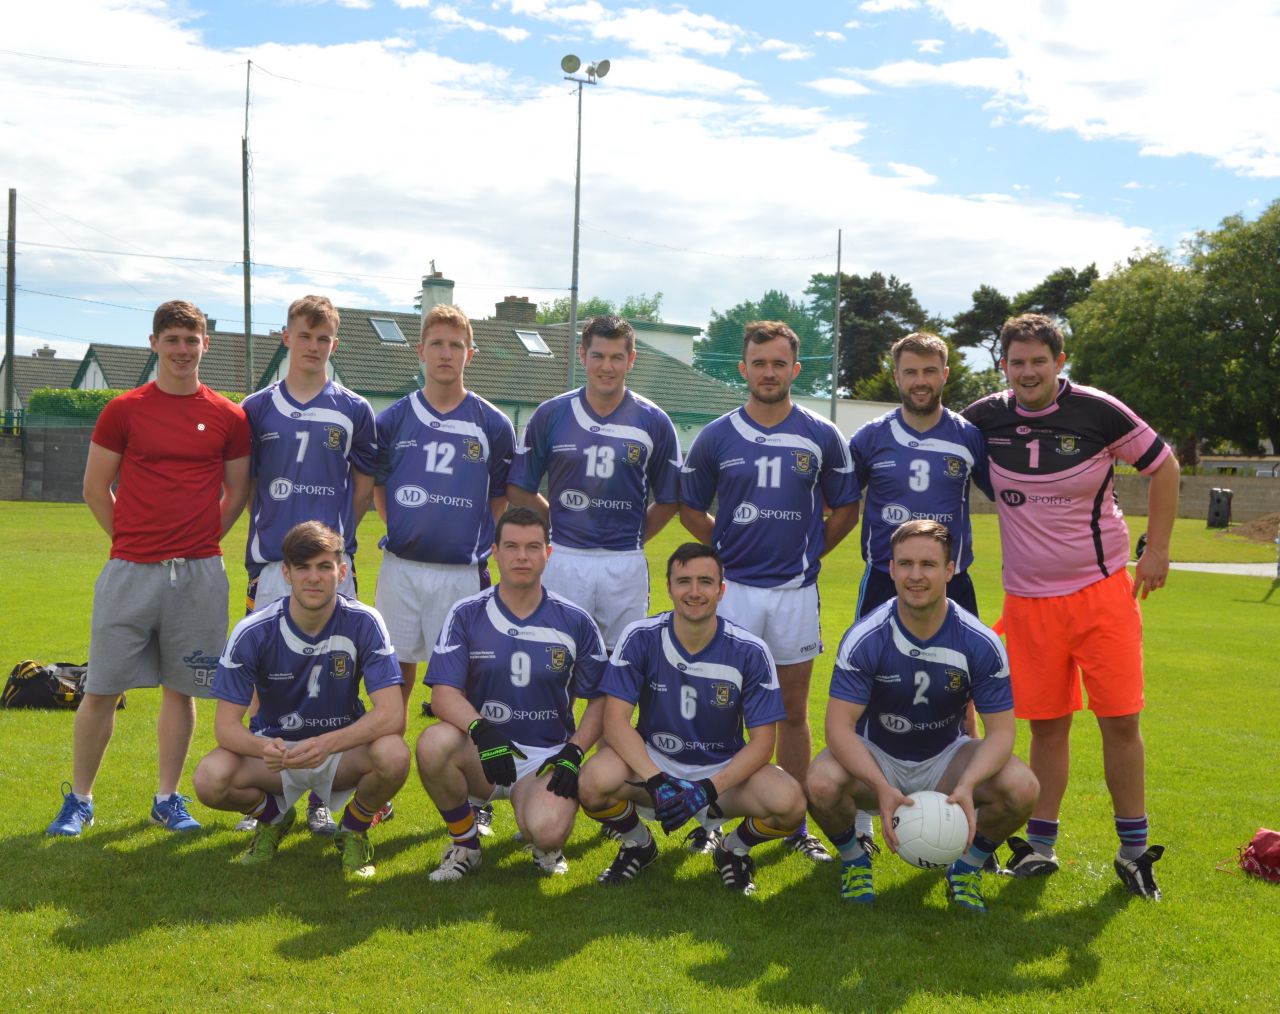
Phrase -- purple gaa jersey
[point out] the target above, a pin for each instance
(601, 470)
(522, 675)
(440, 471)
(693, 708)
(302, 460)
(771, 483)
(907, 475)
(916, 692)
(306, 685)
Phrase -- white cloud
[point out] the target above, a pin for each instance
(410, 4)
(979, 72)
(1067, 195)
(831, 36)
(693, 182)
(1135, 185)
(881, 6)
(1181, 77)
(785, 50)
(356, 5)
(843, 87)
(646, 30)
(928, 45)
(451, 16)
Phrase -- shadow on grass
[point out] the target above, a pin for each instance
(794, 940)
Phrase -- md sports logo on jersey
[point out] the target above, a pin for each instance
(1013, 497)
(667, 742)
(495, 711)
(559, 658)
(895, 514)
(802, 462)
(282, 489)
(747, 512)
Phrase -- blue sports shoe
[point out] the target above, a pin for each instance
(172, 815)
(73, 816)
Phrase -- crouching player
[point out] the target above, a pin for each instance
(697, 679)
(504, 674)
(912, 665)
(305, 655)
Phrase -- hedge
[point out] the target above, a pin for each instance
(71, 404)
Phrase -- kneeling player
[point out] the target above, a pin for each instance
(697, 679)
(305, 655)
(504, 675)
(912, 665)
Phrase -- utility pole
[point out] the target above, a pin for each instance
(835, 330)
(10, 289)
(244, 190)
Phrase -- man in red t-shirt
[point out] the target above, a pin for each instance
(181, 454)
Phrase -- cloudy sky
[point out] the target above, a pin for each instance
(955, 143)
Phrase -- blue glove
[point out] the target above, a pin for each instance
(689, 798)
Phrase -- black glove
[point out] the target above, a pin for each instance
(564, 771)
(497, 753)
(688, 799)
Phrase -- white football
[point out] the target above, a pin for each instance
(932, 833)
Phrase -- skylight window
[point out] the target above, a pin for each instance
(533, 343)
(388, 330)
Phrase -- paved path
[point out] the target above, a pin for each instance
(1247, 569)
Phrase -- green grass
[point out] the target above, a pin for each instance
(130, 917)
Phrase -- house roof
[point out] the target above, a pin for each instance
(31, 372)
(222, 367)
(122, 366)
(504, 372)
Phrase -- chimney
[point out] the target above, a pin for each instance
(517, 310)
(436, 289)
(210, 325)
(45, 352)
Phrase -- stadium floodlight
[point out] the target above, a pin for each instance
(570, 64)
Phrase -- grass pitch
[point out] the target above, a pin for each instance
(132, 917)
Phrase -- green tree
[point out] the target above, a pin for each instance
(1138, 336)
(720, 351)
(964, 384)
(979, 326)
(639, 307)
(875, 311)
(1240, 264)
(1060, 291)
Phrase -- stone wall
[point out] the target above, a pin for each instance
(10, 467)
(1251, 497)
(53, 465)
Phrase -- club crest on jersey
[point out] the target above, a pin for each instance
(954, 467)
(1068, 445)
(341, 667)
(471, 450)
(722, 694)
(559, 658)
(333, 437)
(633, 453)
(955, 681)
(802, 462)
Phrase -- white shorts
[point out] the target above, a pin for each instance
(914, 776)
(786, 619)
(689, 772)
(319, 780)
(611, 585)
(414, 599)
(535, 757)
(271, 585)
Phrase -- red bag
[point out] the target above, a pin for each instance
(1261, 857)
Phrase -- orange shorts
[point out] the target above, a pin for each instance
(1094, 634)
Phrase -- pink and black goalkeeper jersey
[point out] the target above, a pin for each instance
(1052, 471)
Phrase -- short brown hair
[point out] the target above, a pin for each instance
(689, 551)
(308, 540)
(610, 327)
(447, 313)
(757, 332)
(922, 343)
(178, 313)
(315, 310)
(1031, 327)
(522, 517)
(935, 530)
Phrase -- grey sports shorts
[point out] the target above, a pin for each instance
(158, 624)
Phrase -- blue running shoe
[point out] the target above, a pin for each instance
(856, 882)
(172, 815)
(964, 887)
(73, 816)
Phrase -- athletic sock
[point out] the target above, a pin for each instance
(160, 798)
(314, 800)
(846, 843)
(862, 824)
(266, 810)
(83, 798)
(1042, 835)
(978, 853)
(461, 822)
(356, 816)
(750, 833)
(622, 819)
(1132, 832)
